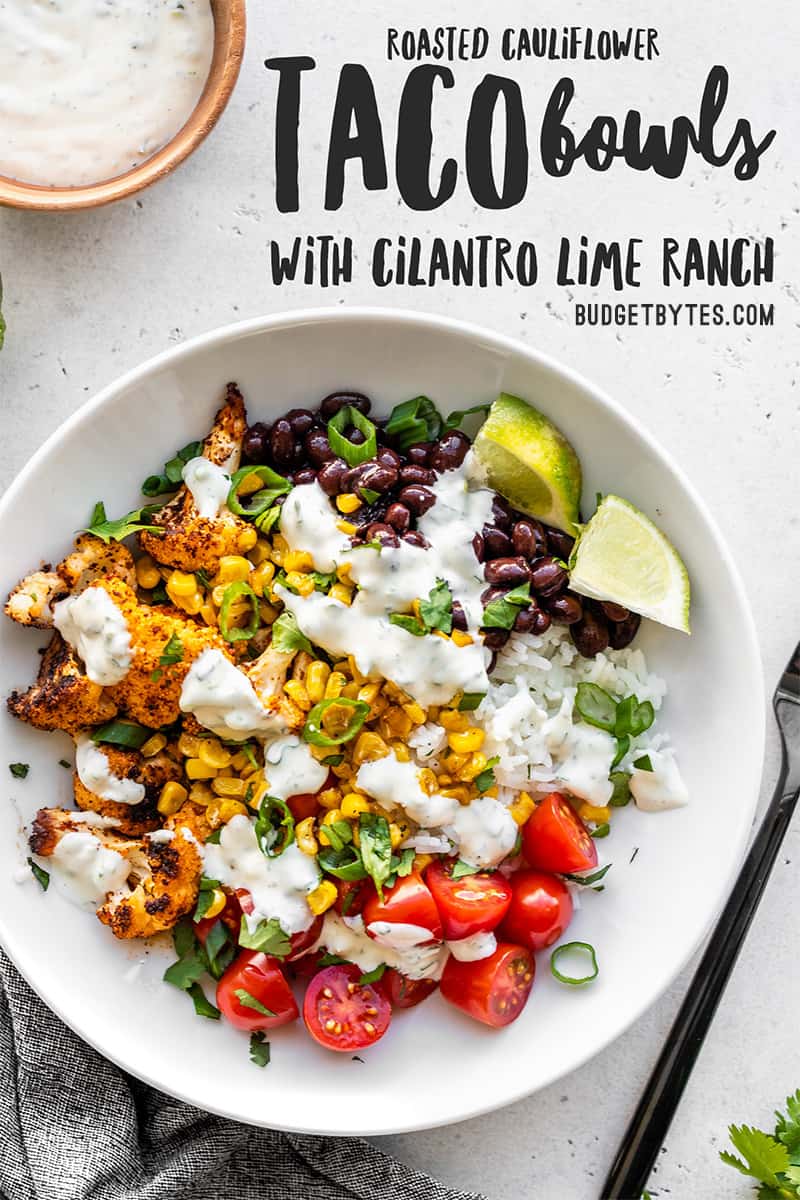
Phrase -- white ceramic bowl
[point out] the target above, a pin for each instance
(654, 910)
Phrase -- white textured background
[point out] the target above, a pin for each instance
(90, 295)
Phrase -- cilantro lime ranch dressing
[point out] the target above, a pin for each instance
(96, 775)
(85, 870)
(290, 768)
(223, 699)
(98, 632)
(208, 484)
(91, 88)
(347, 937)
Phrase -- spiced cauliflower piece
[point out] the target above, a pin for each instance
(189, 541)
(31, 601)
(267, 673)
(62, 696)
(132, 820)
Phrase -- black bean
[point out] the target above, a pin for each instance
(564, 609)
(318, 448)
(509, 571)
(255, 443)
(614, 612)
(459, 617)
(525, 620)
(377, 477)
(528, 538)
(450, 451)
(492, 593)
(495, 639)
(417, 498)
(355, 436)
(389, 458)
(590, 635)
(501, 513)
(415, 538)
(333, 475)
(622, 633)
(560, 543)
(336, 400)
(281, 443)
(304, 475)
(547, 577)
(496, 544)
(478, 547)
(368, 513)
(541, 622)
(418, 453)
(398, 516)
(380, 531)
(301, 420)
(411, 473)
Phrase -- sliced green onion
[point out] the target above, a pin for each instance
(123, 733)
(455, 419)
(342, 864)
(586, 880)
(369, 496)
(268, 520)
(274, 828)
(470, 701)
(259, 502)
(352, 454)
(315, 734)
(623, 746)
(574, 980)
(416, 420)
(620, 781)
(596, 706)
(232, 592)
(644, 763)
(601, 831)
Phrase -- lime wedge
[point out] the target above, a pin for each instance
(622, 557)
(530, 462)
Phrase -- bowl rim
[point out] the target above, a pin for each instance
(230, 27)
(749, 647)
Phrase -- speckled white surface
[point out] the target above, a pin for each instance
(92, 294)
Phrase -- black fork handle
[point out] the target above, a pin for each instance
(650, 1123)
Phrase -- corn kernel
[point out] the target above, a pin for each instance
(353, 804)
(453, 762)
(247, 540)
(342, 771)
(333, 688)
(260, 552)
(348, 502)
(440, 633)
(262, 577)
(473, 767)
(330, 798)
(350, 690)
(304, 836)
(453, 722)
(427, 781)
(460, 638)
(218, 902)
(369, 746)
(397, 722)
(258, 793)
(401, 751)
(342, 593)
(347, 527)
(343, 572)
(300, 583)
(322, 897)
(368, 692)
(226, 810)
(172, 796)
(214, 754)
(268, 613)
(458, 792)
(331, 816)
(201, 793)
(296, 691)
(209, 613)
(415, 711)
(467, 742)
(522, 808)
(189, 745)
(181, 584)
(421, 861)
(396, 835)
(593, 812)
(233, 568)
(189, 604)
(147, 573)
(298, 560)
(197, 769)
(229, 786)
(154, 745)
(317, 676)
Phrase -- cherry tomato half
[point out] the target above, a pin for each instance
(261, 978)
(231, 916)
(304, 804)
(409, 902)
(471, 904)
(353, 895)
(540, 911)
(343, 1014)
(493, 990)
(554, 838)
(404, 992)
(299, 941)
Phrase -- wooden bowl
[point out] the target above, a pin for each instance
(229, 39)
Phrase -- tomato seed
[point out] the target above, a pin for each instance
(351, 987)
(330, 1025)
(372, 1012)
(327, 993)
(370, 1028)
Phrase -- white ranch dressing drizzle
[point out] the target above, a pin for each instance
(85, 870)
(398, 935)
(347, 937)
(209, 486)
(659, 789)
(582, 755)
(96, 775)
(470, 949)
(98, 632)
(223, 699)
(291, 769)
(91, 88)
(278, 886)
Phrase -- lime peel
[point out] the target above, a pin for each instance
(622, 557)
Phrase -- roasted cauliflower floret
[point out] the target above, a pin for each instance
(194, 818)
(189, 541)
(152, 773)
(163, 872)
(267, 673)
(62, 697)
(31, 601)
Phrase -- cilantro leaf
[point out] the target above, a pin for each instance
(787, 1129)
(462, 868)
(486, 778)
(373, 976)
(455, 418)
(621, 794)
(202, 1005)
(644, 763)
(470, 701)
(117, 531)
(502, 612)
(259, 1048)
(437, 610)
(586, 880)
(330, 960)
(763, 1158)
(19, 770)
(172, 652)
(248, 1001)
(376, 848)
(407, 622)
(187, 970)
(268, 937)
(286, 635)
(41, 876)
